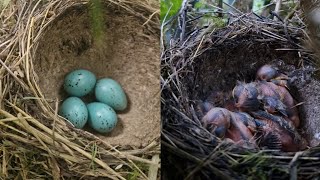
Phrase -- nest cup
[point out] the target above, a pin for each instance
(219, 68)
(42, 41)
(119, 52)
(214, 62)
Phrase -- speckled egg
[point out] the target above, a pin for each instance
(102, 117)
(111, 93)
(79, 82)
(75, 111)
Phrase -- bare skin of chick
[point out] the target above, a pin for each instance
(217, 121)
(246, 97)
(269, 89)
(271, 74)
(276, 130)
(242, 130)
(275, 137)
(238, 127)
(274, 99)
(274, 106)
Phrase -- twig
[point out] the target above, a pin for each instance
(153, 170)
(15, 77)
(190, 157)
(204, 162)
(291, 13)
(277, 8)
(220, 3)
(293, 166)
(182, 22)
(162, 28)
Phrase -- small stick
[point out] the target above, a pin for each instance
(277, 8)
(220, 14)
(153, 170)
(183, 13)
(290, 15)
(293, 166)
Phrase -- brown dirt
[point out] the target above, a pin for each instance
(311, 91)
(129, 53)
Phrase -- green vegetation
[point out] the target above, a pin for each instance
(135, 174)
(212, 13)
(97, 19)
(169, 8)
(257, 6)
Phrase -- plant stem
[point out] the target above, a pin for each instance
(277, 8)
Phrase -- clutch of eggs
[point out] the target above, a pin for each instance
(101, 116)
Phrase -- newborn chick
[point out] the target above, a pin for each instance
(271, 74)
(256, 96)
(273, 136)
(274, 106)
(239, 127)
(278, 133)
(242, 130)
(246, 97)
(217, 121)
(278, 98)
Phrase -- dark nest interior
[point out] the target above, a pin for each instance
(214, 62)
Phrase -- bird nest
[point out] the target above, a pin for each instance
(207, 60)
(40, 42)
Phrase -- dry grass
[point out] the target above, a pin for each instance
(188, 149)
(35, 142)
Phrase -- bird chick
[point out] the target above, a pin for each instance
(279, 98)
(274, 106)
(246, 97)
(273, 136)
(247, 120)
(278, 133)
(217, 121)
(271, 74)
(268, 96)
(242, 130)
(236, 126)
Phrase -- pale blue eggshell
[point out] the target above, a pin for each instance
(79, 82)
(102, 117)
(110, 92)
(75, 111)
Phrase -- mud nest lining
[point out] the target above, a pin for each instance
(215, 61)
(122, 53)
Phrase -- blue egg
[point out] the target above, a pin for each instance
(102, 117)
(110, 92)
(79, 82)
(75, 111)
